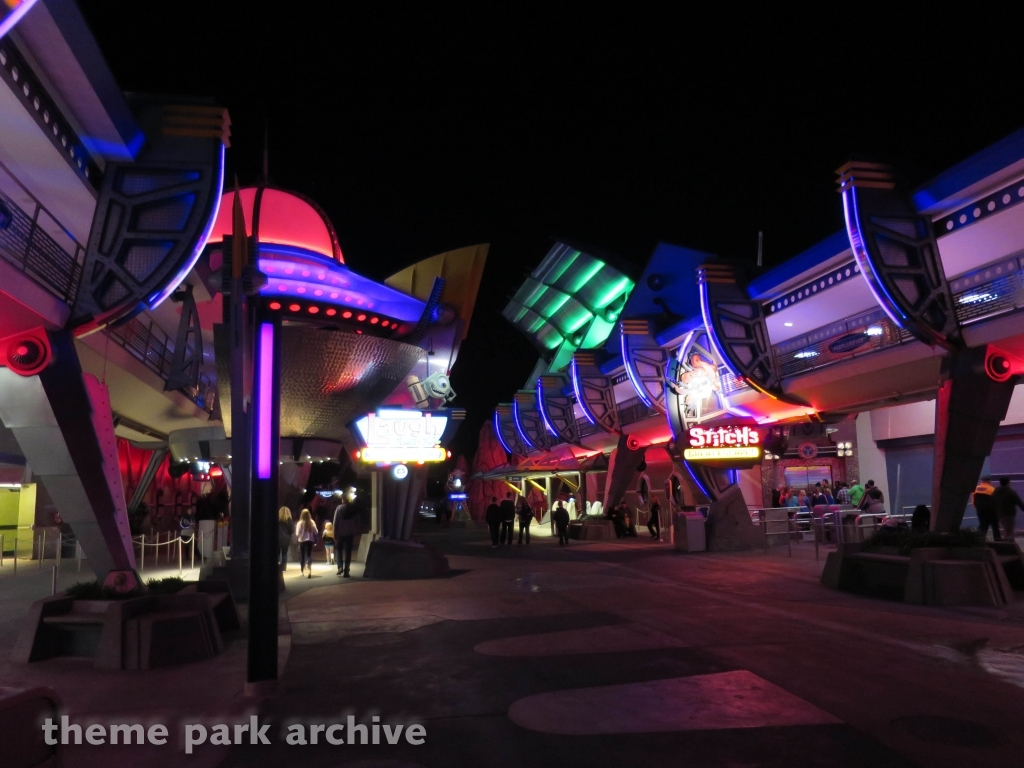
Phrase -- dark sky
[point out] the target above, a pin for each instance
(421, 129)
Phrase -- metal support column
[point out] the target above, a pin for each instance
(264, 573)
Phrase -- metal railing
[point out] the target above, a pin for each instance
(860, 334)
(148, 343)
(35, 242)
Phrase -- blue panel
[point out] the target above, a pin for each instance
(764, 286)
(614, 364)
(970, 171)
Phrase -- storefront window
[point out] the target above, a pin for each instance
(806, 477)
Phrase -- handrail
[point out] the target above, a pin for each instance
(153, 347)
(29, 241)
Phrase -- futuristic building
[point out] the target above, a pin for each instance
(145, 311)
(889, 351)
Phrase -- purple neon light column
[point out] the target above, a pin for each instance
(264, 571)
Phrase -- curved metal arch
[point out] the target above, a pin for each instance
(556, 410)
(898, 255)
(644, 361)
(594, 393)
(528, 420)
(153, 215)
(738, 332)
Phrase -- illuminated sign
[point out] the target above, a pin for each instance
(400, 471)
(717, 437)
(732, 445)
(718, 454)
(395, 436)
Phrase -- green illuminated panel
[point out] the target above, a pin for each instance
(572, 299)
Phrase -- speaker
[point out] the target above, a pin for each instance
(27, 353)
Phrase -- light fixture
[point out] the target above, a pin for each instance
(788, 325)
(874, 330)
(400, 471)
(805, 354)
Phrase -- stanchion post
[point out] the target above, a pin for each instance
(60, 549)
(142, 547)
(193, 542)
(179, 555)
(78, 555)
(42, 549)
(15, 555)
(53, 581)
(1, 550)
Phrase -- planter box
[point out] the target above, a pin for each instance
(139, 633)
(945, 576)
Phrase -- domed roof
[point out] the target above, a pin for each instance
(283, 218)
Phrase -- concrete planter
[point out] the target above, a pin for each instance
(139, 633)
(943, 576)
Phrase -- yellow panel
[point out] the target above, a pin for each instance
(461, 269)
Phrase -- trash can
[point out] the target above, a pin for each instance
(689, 532)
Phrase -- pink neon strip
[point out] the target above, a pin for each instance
(264, 401)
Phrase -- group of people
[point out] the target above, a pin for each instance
(867, 497)
(501, 520)
(338, 533)
(997, 508)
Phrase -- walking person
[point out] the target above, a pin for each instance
(560, 516)
(508, 519)
(307, 535)
(493, 518)
(1007, 501)
(329, 541)
(984, 505)
(525, 519)
(285, 529)
(654, 524)
(346, 525)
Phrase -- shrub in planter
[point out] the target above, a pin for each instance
(906, 540)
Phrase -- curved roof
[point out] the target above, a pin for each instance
(284, 218)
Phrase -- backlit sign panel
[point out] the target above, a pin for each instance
(732, 445)
(394, 435)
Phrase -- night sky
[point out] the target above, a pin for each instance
(420, 129)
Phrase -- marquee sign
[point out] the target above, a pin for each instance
(393, 435)
(732, 445)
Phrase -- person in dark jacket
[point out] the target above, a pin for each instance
(347, 523)
(986, 509)
(285, 529)
(508, 519)
(921, 520)
(493, 518)
(1006, 502)
(525, 515)
(654, 524)
(560, 516)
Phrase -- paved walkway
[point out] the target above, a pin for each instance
(597, 654)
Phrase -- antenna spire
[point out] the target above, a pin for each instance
(760, 243)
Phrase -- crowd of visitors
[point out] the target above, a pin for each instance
(337, 534)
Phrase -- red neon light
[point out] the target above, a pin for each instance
(275, 305)
(313, 310)
(361, 318)
(216, 472)
(374, 320)
(332, 312)
(284, 219)
(346, 314)
(293, 307)
(384, 323)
